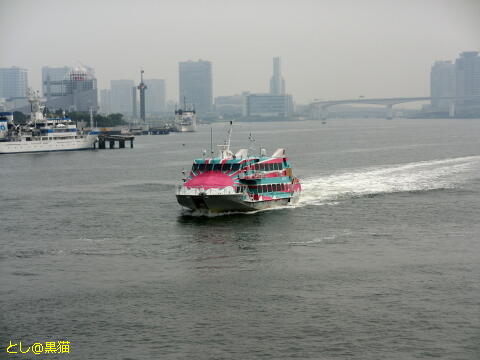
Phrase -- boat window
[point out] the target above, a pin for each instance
(235, 167)
(217, 167)
(275, 166)
(227, 167)
(280, 166)
(269, 188)
(201, 167)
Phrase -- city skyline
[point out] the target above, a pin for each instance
(328, 49)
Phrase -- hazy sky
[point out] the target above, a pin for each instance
(329, 49)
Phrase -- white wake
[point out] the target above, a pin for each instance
(419, 176)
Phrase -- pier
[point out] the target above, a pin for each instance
(112, 139)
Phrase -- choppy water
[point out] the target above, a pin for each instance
(380, 259)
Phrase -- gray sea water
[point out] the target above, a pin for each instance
(380, 260)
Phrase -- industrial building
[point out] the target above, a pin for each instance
(267, 105)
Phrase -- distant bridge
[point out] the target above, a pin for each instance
(322, 106)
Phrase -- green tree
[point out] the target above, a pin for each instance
(19, 117)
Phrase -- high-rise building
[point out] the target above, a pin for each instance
(155, 96)
(52, 80)
(195, 79)
(105, 101)
(121, 96)
(467, 74)
(13, 82)
(442, 83)
(277, 83)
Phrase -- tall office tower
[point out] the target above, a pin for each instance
(105, 101)
(195, 79)
(121, 95)
(467, 74)
(52, 80)
(13, 82)
(442, 83)
(155, 96)
(277, 84)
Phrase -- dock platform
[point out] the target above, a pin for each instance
(112, 139)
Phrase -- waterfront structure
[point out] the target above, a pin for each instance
(78, 91)
(277, 83)
(268, 105)
(442, 83)
(105, 101)
(185, 118)
(13, 82)
(195, 85)
(53, 80)
(121, 96)
(467, 74)
(42, 134)
(155, 96)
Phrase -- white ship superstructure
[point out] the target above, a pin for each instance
(41, 133)
(186, 119)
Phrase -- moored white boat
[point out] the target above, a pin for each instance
(186, 119)
(42, 134)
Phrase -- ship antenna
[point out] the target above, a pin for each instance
(229, 135)
(211, 141)
(252, 141)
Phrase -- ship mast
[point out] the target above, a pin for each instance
(229, 135)
(225, 152)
